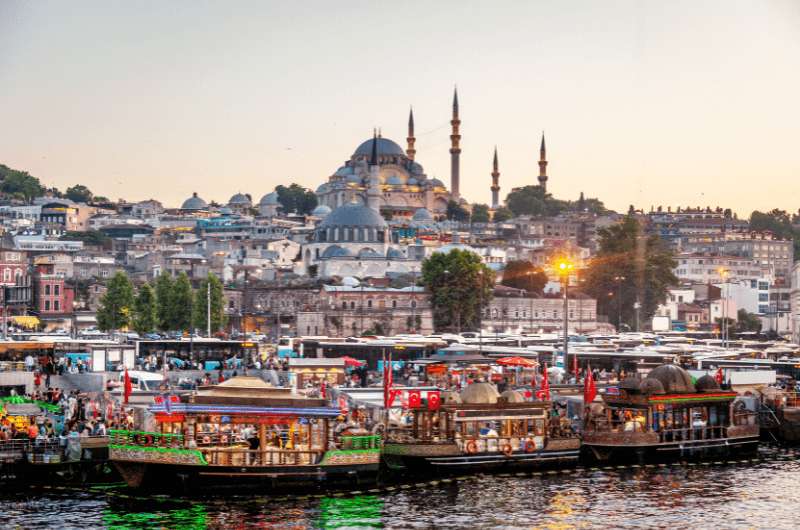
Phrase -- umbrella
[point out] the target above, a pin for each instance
(349, 361)
(517, 361)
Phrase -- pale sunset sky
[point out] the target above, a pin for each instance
(684, 102)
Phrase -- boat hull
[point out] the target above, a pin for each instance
(447, 459)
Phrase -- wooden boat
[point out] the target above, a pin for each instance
(666, 416)
(783, 420)
(243, 433)
(481, 430)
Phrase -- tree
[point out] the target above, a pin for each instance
(780, 223)
(747, 321)
(217, 305)
(629, 267)
(480, 213)
(117, 304)
(524, 275)
(164, 287)
(181, 303)
(296, 198)
(455, 212)
(90, 237)
(533, 200)
(79, 193)
(502, 214)
(145, 315)
(20, 184)
(460, 284)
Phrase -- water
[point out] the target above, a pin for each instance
(760, 495)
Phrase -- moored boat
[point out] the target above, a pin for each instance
(666, 416)
(480, 430)
(245, 433)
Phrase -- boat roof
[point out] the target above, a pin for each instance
(191, 408)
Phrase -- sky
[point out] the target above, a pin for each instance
(680, 103)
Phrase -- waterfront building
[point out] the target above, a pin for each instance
(512, 310)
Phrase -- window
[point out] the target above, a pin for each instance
(344, 305)
(47, 289)
(56, 305)
(352, 305)
(47, 305)
(394, 303)
(369, 303)
(56, 290)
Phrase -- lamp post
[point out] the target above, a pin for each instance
(480, 311)
(530, 298)
(619, 280)
(724, 328)
(414, 299)
(564, 269)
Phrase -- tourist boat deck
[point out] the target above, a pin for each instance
(481, 430)
(244, 432)
(667, 416)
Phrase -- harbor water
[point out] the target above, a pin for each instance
(759, 494)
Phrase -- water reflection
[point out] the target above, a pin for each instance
(756, 496)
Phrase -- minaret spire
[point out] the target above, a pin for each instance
(495, 182)
(543, 165)
(373, 159)
(374, 186)
(455, 149)
(410, 151)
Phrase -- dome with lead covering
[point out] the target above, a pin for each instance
(385, 147)
(240, 199)
(321, 211)
(354, 214)
(270, 199)
(673, 378)
(422, 215)
(194, 203)
(368, 253)
(479, 393)
(335, 251)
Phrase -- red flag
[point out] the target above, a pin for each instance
(434, 400)
(414, 399)
(544, 393)
(589, 388)
(388, 396)
(719, 377)
(575, 368)
(127, 387)
(322, 389)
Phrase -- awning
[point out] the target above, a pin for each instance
(26, 321)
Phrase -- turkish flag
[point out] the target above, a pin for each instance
(589, 388)
(414, 399)
(434, 400)
(127, 387)
(719, 377)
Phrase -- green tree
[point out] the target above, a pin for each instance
(480, 213)
(217, 305)
(455, 212)
(747, 321)
(90, 237)
(116, 306)
(20, 184)
(144, 310)
(780, 223)
(629, 267)
(181, 304)
(460, 284)
(521, 274)
(296, 198)
(79, 193)
(164, 287)
(533, 200)
(502, 214)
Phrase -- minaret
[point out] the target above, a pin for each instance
(374, 186)
(495, 182)
(455, 150)
(410, 151)
(542, 166)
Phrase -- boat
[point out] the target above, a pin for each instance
(480, 430)
(246, 433)
(668, 416)
(783, 419)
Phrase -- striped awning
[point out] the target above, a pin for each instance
(184, 408)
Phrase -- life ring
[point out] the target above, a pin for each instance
(507, 449)
(148, 440)
(223, 439)
(207, 440)
(471, 447)
(530, 446)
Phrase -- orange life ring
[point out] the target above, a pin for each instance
(471, 447)
(530, 446)
(507, 449)
(207, 440)
(223, 439)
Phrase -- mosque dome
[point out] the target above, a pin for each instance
(354, 214)
(394, 180)
(412, 181)
(436, 183)
(394, 253)
(343, 171)
(368, 253)
(478, 393)
(349, 281)
(225, 211)
(335, 251)
(194, 203)
(322, 188)
(416, 168)
(240, 199)
(673, 378)
(385, 147)
(422, 216)
(707, 384)
(321, 211)
(355, 179)
(270, 199)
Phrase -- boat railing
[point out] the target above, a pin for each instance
(145, 439)
(240, 457)
(360, 442)
(786, 399)
(498, 444)
(687, 434)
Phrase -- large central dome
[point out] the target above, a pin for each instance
(386, 147)
(354, 214)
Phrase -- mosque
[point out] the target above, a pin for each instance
(404, 186)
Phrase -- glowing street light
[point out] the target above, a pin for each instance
(564, 267)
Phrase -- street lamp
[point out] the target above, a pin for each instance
(480, 311)
(564, 269)
(723, 272)
(619, 280)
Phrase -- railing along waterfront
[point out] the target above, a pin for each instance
(145, 439)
